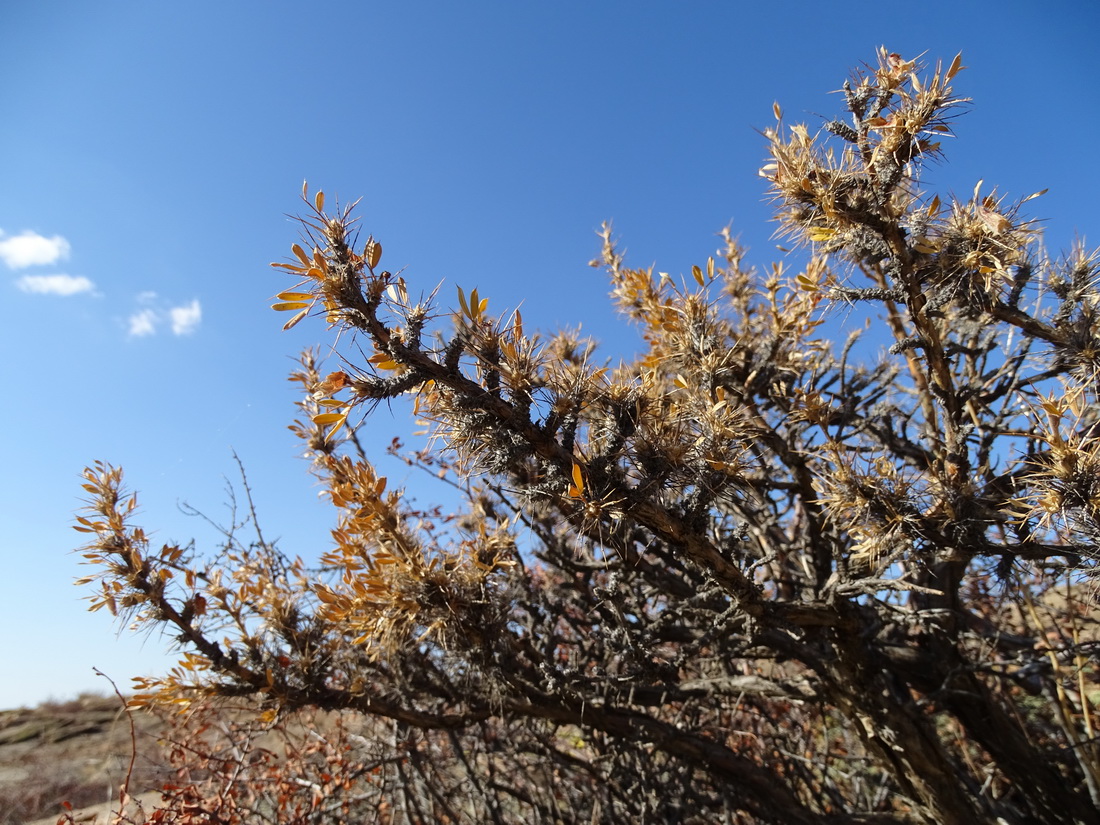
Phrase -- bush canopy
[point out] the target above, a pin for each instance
(751, 575)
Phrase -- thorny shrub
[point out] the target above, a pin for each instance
(750, 576)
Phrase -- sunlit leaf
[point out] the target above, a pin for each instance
(372, 254)
(807, 283)
(398, 292)
(294, 321)
(286, 306)
(955, 67)
(300, 254)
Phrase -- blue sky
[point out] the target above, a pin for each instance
(149, 152)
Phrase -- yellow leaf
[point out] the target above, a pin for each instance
(294, 296)
(328, 418)
(697, 273)
(319, 201)
(383, 361)
(289, 305)
(300, 254)
(777, 111)
(820, 233)
(808, 284)
(710, 267)
(330, 402)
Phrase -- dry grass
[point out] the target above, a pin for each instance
(77, 752)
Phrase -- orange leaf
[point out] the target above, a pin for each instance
(300, 254)
(576, 490)
(334, 382)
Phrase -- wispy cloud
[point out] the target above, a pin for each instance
(31, 249)
(55, 284)
(185, 319)
(182, 320)
(142, 323)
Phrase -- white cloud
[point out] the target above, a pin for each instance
(143, 323)
(185, 318)
(31, 249)
(55, 284)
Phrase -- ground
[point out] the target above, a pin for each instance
(77, 752)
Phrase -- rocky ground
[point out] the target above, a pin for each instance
(77, 752)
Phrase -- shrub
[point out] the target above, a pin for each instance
(750, 576)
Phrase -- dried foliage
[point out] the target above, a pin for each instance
(748, 577)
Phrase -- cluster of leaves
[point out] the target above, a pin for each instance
(745, 575)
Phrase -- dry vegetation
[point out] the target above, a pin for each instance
(77, 752)
(752, 576)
